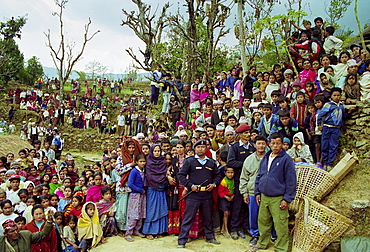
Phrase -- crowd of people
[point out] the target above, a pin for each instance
(219, 159)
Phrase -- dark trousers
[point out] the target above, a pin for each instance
(192, 206)
(329, 145)
(61, 119)
(155, 94)
(239, 212)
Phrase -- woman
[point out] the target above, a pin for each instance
(54, 184)
(94, 192)
(34, 177)
(156, 221)
(29, 185)
(49, 244)
(130, 149)
(7, 213)
(60, 190)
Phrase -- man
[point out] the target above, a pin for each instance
(56, 139)
(47, 151)
(246, 111)
(16, 240)
(230, 138)
(275, 188)
(211, 130)
(216, 117)
(238, 152)
(195, 171)
(120, 123)
(248, 176)
(61, 113)
(165, 145)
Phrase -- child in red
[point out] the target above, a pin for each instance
(226, 194)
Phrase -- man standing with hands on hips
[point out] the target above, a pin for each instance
(200, 175)
(275, 188)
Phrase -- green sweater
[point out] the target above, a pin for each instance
(26, 238)
(250, 169)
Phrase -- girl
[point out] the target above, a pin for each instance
(49, 244)
(107, 209)
(220, 86)
(264, 81)
(70, 235)
(203, 95)
(23, 195)
(60, 190)
(340, 69)
(89, 230)
(46, 179)
(130, 150)
(156, 221)
(137, 200)
(82, 181)
(307, 73)
(77, 204)
(54, 184)
(53, 200)
(172, 195)
(63, 202)
(271, 86)
(29, 185)
(7, 213)
(93, 193)
(256, 119)
(194, 98)
(310, 91)
(58, 223)
(351, 90)
(31, 201)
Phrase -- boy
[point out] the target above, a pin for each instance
(12, 193)
(300, 152)
(20, 221)
(250, 170)
(226, 194)
(331, 44)
(298, 110)
(267, 121)
(319, 101)
(283, 103)
(331, 116)
(286, 144)
(274, 101)
(286, 125)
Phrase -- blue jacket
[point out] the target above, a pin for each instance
(280, 180)
(261, 126)
(135, 182)
(237, 155)
(332, 113)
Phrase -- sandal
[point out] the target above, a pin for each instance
(139, 234)
(254, 249)
(129, 238)
(159, 236)
(227, 235)
(150, 237)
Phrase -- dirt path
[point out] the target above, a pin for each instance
(12, 143)
(169, 243)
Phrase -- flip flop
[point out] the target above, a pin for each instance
(150, 237)
(129, 239)
(254, 249)
(227, 235)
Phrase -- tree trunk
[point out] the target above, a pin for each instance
(242, 36)
(192, 50)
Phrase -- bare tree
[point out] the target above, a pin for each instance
(95, 68)
(63, 56)
(148, 29)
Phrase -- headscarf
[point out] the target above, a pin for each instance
(156, 169)
(27, 183)
(89, 228)
(53, 187)
(126, 157)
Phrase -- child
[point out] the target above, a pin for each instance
(310, 91)
(296, 86)
(20, 221)
(274, 101)
(286, 143)
(300, 152)
(271, 86)
(194, 98)
(89, 230)
(12, 193)
(23, 195)
(283, 103)
(58, 223)
(63, 202)
(226, 194)
(331, 44)
(351, 90)
(54, 184)
(70, 235)
(107, 209)
(331, 116)
(77, 203)
(136, 210)
(268, 119)
(298, 110)
(319, 101)
(53, 200)
(285, 125)
(31, 201)
(46, 205)
(325, 84)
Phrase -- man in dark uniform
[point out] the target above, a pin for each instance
(195, 171)
(238, 152)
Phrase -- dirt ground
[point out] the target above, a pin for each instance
(12, 143)
(169, 243)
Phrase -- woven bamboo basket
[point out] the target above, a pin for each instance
(313, 183)
(317, 226)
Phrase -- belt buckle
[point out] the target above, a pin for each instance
(202, 188)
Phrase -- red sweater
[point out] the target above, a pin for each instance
(49, 244)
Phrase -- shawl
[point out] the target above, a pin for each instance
(89, 228)
(156, 170)
(203, 96)
(126, 157)
(194, 95)
(104, 206)
(94, 193)
(53, 187)
(238, 91)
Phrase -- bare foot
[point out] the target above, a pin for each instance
(104, 241)
(150, 237)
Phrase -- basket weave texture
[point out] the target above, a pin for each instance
(317, 226)
(313, 183)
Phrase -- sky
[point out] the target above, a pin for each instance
(108, 46)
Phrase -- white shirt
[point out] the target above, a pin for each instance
(271, 158)
(121, 120)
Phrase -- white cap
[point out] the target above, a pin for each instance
(183, 133)
(242, 119)
(220, 126)
(229, 128)
(140, 135)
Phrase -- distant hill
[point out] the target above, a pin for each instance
(51, 72)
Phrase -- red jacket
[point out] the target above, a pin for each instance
(49, 244)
